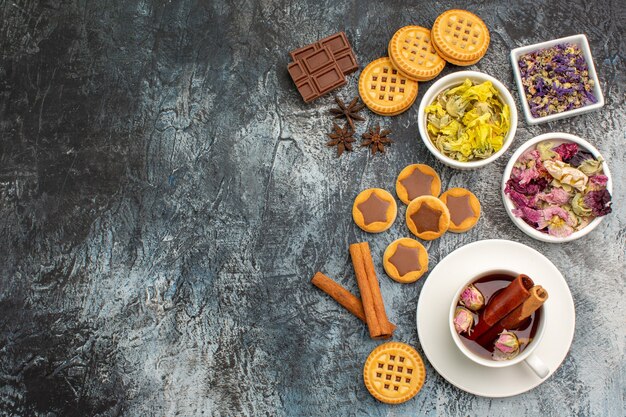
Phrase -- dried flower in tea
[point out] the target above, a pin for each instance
(506, 346)
(463, 320)
(472, 298)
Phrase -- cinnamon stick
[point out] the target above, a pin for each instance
(373, 305)
(538, 296)
(339, 294)
(502, 304)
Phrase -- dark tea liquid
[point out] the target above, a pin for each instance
(489, 286)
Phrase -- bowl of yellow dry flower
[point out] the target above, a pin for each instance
(467, 119)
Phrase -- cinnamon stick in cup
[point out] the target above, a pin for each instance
(502, 304)
(375, 315)
(538, 296)
(339, 294)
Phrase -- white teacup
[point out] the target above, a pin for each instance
(532, 360)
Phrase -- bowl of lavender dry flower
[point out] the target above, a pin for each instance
(556, 79)
(557, 187)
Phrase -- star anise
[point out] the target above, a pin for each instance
(341, 138)
(376, 139)
(350, 112)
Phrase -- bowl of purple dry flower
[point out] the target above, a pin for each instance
(557, 187)
(556, 79)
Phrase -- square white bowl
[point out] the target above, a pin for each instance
(581, 41)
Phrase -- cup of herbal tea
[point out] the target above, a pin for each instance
(497, 320)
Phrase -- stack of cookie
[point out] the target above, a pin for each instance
(388, 86)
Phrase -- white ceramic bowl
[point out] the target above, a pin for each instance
(453, 80)
(581, 41)
(556, 137)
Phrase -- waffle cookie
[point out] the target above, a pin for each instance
(416, 180)
(405, 260)
(427, 217)
(412, 53)
(460, 37)
(464, 209)
(384, 90)
(394, 372)
(374, 210)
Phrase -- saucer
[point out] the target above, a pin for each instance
(433, 309)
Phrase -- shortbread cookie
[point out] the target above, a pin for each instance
(417, 180)
(412, 53)
(460, 37)
(464, 209)
(384, 90)
(374, 210)
(394, 372)
(427, 217)
(405, 260)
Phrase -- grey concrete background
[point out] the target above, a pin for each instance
(165, 198)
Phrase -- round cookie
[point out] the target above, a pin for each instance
(456, 62)
(374, 210)
(405, 260)
(416, 180)
(427, 217)
(384, 90)
(460, 37)
(464, 209)
(394, 372)
(412, 53)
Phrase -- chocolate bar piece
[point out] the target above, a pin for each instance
(316, 74)
(340, 47)
(321, 66)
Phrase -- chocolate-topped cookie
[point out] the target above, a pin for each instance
(374, 210)
(405, 260)
(417, 180)
(427, 217)
(464, 209)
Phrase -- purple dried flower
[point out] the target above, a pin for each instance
(599, 202)
(580, 157)
(599, 180)
(529, 215)
(556, 79)
(530, 188)
(566, 150)
(592, 99)
(518, 198)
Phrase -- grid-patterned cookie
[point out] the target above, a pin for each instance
(394, 372)
(384, 90)
(460, 37)
(412, 52)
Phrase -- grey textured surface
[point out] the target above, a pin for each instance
(165, 198)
